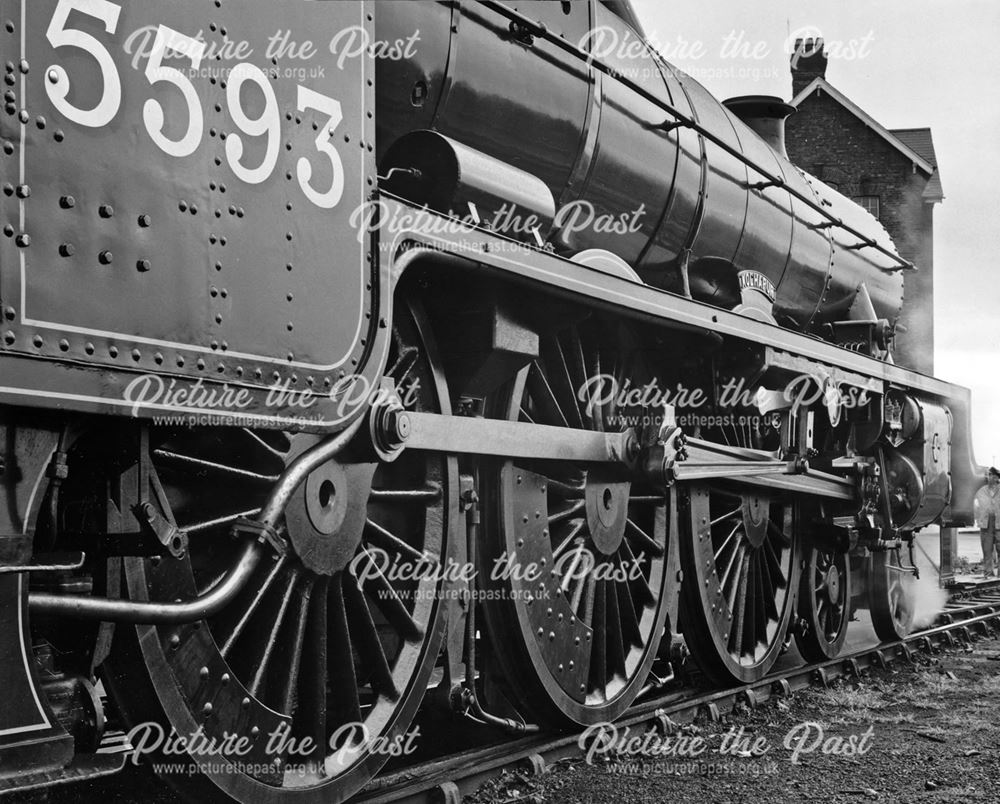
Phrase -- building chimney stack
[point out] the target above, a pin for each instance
(808, 63)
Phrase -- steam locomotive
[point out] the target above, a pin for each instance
(457, 355)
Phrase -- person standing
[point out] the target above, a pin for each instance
(987, 507)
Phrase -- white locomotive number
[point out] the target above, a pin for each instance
(268, 124)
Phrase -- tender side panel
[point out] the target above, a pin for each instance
(183, 187)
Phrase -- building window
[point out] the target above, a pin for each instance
(869, 202)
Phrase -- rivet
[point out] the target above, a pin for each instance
(25, 67)
(67, 250)
(8, 148)
(136, 355)
(552, 635)
(8, 338)
(23, 191)
(201, 364)
(207, 708)
(143, 266)
(67, 202)
(182, 206)
(225, 678)
(213, 292)
(158, 359)
(218, 319)
(9, 313)
(113, 351)
(8, 230)
(175, 640)
(106, 211)
(89, 348)
(23, 240)
(224, 293)
(203, 672)
(106, 258)
(23, 116)
(53, 76)
(58, 136)
(9, 26)
(41, 123)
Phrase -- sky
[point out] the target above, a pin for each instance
(909, 64)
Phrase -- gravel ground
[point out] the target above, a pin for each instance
(928, 732)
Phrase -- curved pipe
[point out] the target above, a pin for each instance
(149, 613)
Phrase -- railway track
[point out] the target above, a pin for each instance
(969, 615)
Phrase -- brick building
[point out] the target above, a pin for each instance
(893, 174)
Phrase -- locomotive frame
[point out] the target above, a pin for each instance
(190, 607)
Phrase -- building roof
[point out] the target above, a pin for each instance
(915, 143)
(921, 141)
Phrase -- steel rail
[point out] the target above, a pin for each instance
(536, 28)
(448, 778)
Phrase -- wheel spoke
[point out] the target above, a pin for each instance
(389, 603)
(728, 539)
(718, 519)
(571, 572)
(594, 370)
(738, 606)
(576, 526)
(368, 643)
(767, 587)
(271, 641)
(543, 396)
(556, 360)
(784, 538)
(213, 466)
(643, 538)
(567, 513)
(248, 613)
(208, 524)
(290, 682)
(310, 715)
(345, 705)
(777, 573)
(565, 491)
(645, 593)
(630, 620)
(384, 539)
(598, 654)
(613, 627)
(734, 560)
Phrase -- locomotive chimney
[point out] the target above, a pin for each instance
(808, 62)
(765, 115)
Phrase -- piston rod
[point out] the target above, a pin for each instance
(213, 601)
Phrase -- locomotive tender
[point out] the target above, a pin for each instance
(309, 310)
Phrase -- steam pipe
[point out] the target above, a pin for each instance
(213, 601)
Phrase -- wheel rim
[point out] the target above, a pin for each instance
(740, 568)
(586, 631)
(891, 596)
(824, 604)
(303, 648)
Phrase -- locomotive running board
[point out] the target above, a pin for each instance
(520, 440)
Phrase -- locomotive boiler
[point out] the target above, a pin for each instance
(419, 357)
